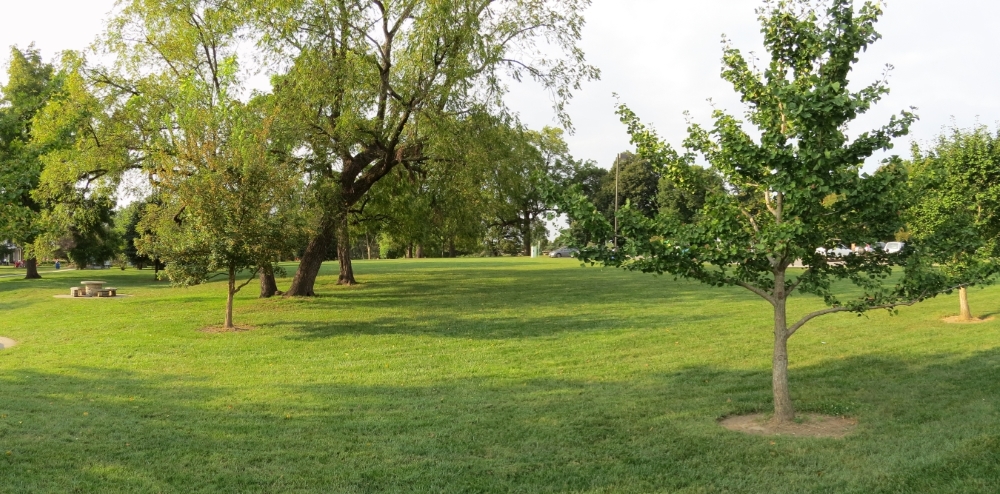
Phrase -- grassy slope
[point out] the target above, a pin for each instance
(510, 375)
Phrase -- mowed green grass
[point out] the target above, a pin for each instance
(481, 375)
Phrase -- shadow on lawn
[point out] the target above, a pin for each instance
(925, 426)
(455, 325)
(502, 303)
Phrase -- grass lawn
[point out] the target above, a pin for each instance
(481, 375)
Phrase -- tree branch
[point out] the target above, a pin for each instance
(247, 282)
(763, 294)
(808, 317)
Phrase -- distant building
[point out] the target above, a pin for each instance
(10, 253)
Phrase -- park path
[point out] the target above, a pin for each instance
(21, 275)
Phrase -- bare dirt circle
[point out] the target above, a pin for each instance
(807, 425)
(6, 343)
(959, 320)
(221, 329)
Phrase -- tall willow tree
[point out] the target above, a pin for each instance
(795, 188)
(359, 81)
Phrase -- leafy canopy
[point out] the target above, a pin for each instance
(791, 173)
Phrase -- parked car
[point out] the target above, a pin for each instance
(894, 247)
(838, 251)
(564, 252)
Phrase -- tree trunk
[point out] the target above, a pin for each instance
(420, 251)
(304, 282)
(32, 267)
(344, 252)
(268, 285)
(409, 252)
(963, 302)
(229, 300)
(526, 234)
(451, 248)
(784, 411)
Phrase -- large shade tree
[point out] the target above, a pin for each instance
(442, 208)
(792, 182)
(78, 220)
(360, 82)
(30, 83)
(524, 161)
(955, 215)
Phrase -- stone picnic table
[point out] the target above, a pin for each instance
(94, 289)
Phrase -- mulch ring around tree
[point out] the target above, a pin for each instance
(960, 320)
(6, 343)
(221, 329)
(805, 425)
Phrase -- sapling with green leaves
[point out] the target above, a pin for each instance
(792, 182)
(174, 109)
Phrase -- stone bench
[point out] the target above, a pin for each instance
(75, 292)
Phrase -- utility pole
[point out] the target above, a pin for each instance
(616, 201)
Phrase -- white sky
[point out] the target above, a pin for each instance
(663, 57)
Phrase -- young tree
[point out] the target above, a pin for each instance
(795, 188)
(955, 215)
(30, 83)
(361, 79)
(225, 210)
(171, 108)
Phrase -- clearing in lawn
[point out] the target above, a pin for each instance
(482, 375)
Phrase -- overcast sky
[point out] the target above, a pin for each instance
(663, 57)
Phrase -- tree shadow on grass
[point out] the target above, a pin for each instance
(473, 327)
(11, 306)
(927, 425)
(504, 303)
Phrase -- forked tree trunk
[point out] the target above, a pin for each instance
(784, 411)
(32, 269)
(304, 282)
(229, 300)
(344, 252)
(963, 302)
(268, 285)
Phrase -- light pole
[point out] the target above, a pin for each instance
(616, 201)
